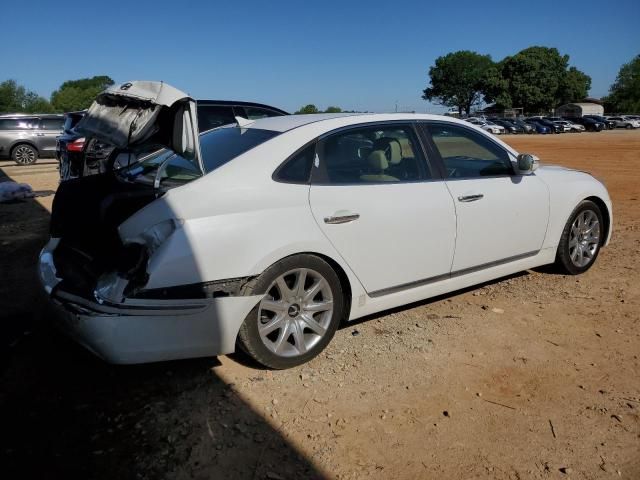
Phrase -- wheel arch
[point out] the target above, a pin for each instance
(606, 216)
(17, 143)
(345, 283)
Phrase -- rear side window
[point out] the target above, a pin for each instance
(468, 154)
(52, 123)
(212, 117)
(298, 168)
(18, 123)
(372, 154)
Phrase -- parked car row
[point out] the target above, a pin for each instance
(543, 125)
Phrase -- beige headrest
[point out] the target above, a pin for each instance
(377, 161)
(393, 146)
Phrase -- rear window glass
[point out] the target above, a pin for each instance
(217, 147)
(224, 144)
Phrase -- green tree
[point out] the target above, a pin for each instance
(34, 103)
(79, 94)
(15, 98)
(333, 110)
(537, 79)
(311, 108)
(624, 94)
(457, 79)
(574, 86)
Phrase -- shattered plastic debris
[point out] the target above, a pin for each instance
(15, 191)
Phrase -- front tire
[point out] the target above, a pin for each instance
(302, 307)
(24, 154)
(581, 239)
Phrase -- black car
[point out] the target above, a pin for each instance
(526, 127)
(610, 124)
(508, 126)
(79, 158)
(550, 125)
(69, 146)
(590, 125)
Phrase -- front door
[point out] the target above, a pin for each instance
(376, 199)
(501, 216)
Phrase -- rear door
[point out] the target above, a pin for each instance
(382, 206)
(501, 216)
(48, 130)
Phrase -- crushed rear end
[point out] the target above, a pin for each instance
(96, 275)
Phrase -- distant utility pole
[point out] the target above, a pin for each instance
(396, 106)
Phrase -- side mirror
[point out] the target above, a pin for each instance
(527, 163)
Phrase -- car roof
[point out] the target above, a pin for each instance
(240, 104)
(23, 115)
(289, 122)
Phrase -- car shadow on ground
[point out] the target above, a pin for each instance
(430, 301)
(66, 414)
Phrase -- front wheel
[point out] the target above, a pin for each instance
(302, 307)
(581, 239)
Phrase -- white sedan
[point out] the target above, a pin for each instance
(268, 234)
(487, 125)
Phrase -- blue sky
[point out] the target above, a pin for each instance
(364, 55)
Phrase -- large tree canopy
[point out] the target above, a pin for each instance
(537, 79)
(15, 98)
(457, 79)
(624, 96)
(79, 94)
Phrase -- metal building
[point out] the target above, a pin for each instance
(579, 110)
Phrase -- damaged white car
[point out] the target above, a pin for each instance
(267, 234)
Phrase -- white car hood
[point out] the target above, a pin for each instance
(138, 114)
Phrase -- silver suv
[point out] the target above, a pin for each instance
(24, 137)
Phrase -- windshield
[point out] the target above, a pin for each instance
(217, 147)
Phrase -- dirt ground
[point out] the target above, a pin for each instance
(533, 376)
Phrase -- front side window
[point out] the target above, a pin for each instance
(373, 154)
(468, 154)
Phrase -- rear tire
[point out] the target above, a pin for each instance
(629, 126)
(24, 154)
(581, 239)
(302, 307)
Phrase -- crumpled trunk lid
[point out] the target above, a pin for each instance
(138, 115)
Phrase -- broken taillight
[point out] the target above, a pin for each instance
(76, 145)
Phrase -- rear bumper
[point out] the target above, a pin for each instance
(142, 331)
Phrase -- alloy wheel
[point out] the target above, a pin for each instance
(24, 155)
(295, 313)
(584, 238)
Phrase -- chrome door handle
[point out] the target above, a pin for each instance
(39, 134)
(470, 198)
(341, 219)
